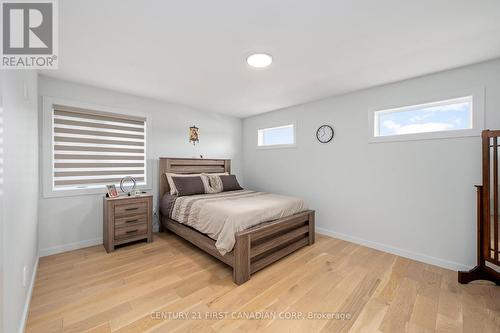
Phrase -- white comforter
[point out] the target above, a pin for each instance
(222, 215)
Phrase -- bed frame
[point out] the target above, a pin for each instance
(255, 248)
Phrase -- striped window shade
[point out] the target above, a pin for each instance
(92, 149)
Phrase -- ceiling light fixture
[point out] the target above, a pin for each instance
(259, 60)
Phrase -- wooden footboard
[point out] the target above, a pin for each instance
(257, 247)
(266, 243)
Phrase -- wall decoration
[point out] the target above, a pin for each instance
(193, 135)
(128, 185)
(325, 133)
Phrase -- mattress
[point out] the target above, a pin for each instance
(221, 215)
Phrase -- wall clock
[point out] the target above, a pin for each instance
(325, 133)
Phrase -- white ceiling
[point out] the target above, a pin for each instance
(193, 52)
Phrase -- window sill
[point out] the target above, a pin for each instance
(426, 136)
(85, 192)
(276, 147)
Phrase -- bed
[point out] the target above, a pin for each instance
(254, 248)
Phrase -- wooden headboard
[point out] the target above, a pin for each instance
(189, 165)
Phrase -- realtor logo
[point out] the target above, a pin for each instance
(29, 34)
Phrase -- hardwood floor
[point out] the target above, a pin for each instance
(150, 287)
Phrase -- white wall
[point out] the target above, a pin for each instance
(71, 222)
(412, 198)
(1, 201)
(20, 209)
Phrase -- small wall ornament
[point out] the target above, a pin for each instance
(193, 135)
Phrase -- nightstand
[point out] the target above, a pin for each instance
(127, 219)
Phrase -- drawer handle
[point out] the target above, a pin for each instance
(135, 208)
(132, 231)
(131, 221)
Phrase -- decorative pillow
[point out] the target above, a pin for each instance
(171, 184)
(206, 183)
(188, 185)
(215, 183)
(230, 183)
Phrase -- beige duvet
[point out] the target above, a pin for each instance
(221, 215)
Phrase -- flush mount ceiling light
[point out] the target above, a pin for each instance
(259, 60)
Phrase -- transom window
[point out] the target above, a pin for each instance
(280, 136)
(446, 118)
(454, 114)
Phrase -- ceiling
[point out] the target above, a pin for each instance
(193, 52)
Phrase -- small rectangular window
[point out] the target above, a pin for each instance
(441, 119)
(281, 136)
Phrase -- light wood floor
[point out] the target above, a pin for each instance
(90, 291)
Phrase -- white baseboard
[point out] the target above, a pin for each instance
(69, 247)
(378, 246)
(24, 318)
(397, 251)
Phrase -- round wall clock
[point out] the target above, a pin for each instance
(325, 133)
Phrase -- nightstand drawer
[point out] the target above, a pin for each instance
(130, 209)
(131, 231)
(133, 220)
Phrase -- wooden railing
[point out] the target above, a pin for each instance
(488, 263)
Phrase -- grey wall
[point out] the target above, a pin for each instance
(412, 198)
(20, 209)
(72, 222)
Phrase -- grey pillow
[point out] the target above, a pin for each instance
(188, 185)
(230, 183)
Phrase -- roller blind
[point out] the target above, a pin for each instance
(93, 148)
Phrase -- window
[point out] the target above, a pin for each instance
(90, 149)
(281, 136)
(441, 119)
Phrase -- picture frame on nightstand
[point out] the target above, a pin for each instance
(112, 191)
